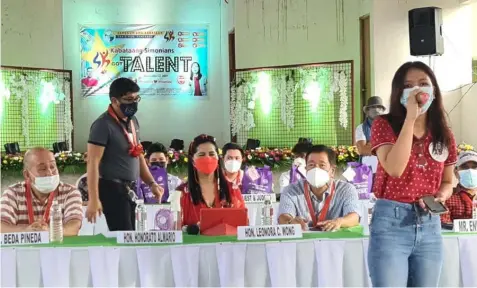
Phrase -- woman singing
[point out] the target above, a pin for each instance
(207, 186)
(416, 152)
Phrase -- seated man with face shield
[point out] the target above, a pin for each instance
(319, 201)
(25, 206)
(297, 172)
(461, 204)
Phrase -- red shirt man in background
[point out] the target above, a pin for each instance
(461, 203)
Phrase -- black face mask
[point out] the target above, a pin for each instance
(158, 164)
(128, 109)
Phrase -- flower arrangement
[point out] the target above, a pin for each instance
(65, 160)
(12, 162)
(274, 157)
(464, 147)
(346, 154)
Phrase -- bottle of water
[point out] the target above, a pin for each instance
(474, 208)
(56, 223)
(267, 211)
(141, 216)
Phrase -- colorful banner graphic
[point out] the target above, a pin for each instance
(164, 60)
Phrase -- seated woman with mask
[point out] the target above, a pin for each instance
(157, 160)
(207, 186)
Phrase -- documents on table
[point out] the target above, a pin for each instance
(269, 232)
(25, 238)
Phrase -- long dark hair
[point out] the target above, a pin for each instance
(436, 121)
(199, 75)
(193, 181)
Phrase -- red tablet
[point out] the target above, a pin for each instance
(222, 221)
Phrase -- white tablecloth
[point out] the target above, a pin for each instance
(306, 263)
(101, 226)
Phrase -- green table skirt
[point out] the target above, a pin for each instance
(100, 240)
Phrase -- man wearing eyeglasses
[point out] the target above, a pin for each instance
(116, 160)
(320, 202)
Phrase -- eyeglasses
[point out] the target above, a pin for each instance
(129, 101)
(421, 161)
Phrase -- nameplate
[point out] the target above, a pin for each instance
(25, 238)
(148, 237)
(259, 198)
(465, 225)
(269, 232)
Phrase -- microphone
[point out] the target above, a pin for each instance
(191, 229)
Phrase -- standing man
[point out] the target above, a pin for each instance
(116, 160)
(374, 108)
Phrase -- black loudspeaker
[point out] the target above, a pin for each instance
(177, 144)
(146, 144)
(12, 148)
(305, 140)
(425, 31)
(252, 144)
(60, 147)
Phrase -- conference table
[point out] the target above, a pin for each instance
(319, 259)
(253, 210)
(100, 227)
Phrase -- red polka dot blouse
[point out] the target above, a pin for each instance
(423, 173)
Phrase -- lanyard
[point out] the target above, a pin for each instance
(28, 195)
(135, 149)
(325, 208)
(236, 183)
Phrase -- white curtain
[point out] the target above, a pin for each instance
(231, 264)
(8, 268)
(185, 265)
(104, 263)
(468, 260)
(55, 266)
(329, 260)
(281, 259)
(149, 259)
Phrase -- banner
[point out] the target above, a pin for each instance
(164, 60)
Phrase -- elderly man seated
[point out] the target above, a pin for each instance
(320, 202)
(25, 206)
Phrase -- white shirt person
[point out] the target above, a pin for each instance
(373, 109)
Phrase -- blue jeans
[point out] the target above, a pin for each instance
(405, 246)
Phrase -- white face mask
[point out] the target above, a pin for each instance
(232, 166)
(317, 177)
(46, 184)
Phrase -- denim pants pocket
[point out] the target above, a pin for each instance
(405, 246)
